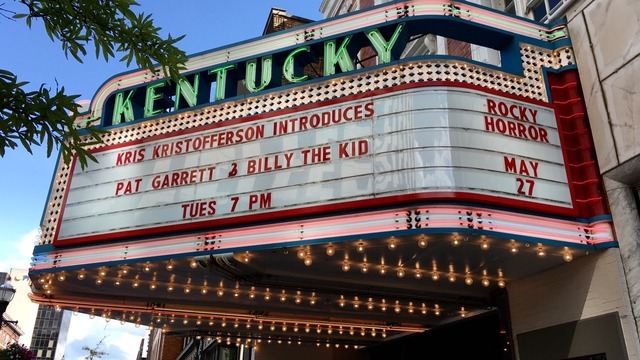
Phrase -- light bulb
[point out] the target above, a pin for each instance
(345, 266)
(392, 245)
(193, 264)
(169, 265)
(383, 270)
(567, 256)
(455, 242)
(501, 283)
(452, 278)
(468, 280)
(422, 243)
(301, 253)
(331, 250)
(61, 277)
(485, 245)
(360, 247)
(400, 273)
(541, 253)
(485, 282)
(435, 276)
(364, 268)
(308, 261)
(514, 249)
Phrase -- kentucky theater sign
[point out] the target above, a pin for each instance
(252, 150)
(248, 135)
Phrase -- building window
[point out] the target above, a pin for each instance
(510, 6)
(543, 10)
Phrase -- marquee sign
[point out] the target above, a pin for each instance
(247, 136)
(416, 143)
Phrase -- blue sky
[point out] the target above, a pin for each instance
(25, 179)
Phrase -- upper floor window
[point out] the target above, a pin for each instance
(510, 6)
(545, 10)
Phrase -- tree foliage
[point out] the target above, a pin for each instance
(15, 351)
(47, 116)
(94, 352)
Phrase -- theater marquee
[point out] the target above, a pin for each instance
(422, 142)
(248, 138)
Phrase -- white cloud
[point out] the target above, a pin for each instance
(17, 254)
(121, 342)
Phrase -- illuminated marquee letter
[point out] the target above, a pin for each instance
(289, 68)
(382, 47)
(265, 74)
(339, 56)
(151, 98)
(188, 92)
(221, 80)
(123, 107)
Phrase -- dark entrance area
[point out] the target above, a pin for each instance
(477, 338)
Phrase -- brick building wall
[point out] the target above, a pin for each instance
(171, 348)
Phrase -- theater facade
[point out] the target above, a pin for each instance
(286, 191)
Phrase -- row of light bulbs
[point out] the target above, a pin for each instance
(298, 298)
(304, 253)
(166, 320)
(392, 245)
(289, 341)
(419, 274)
